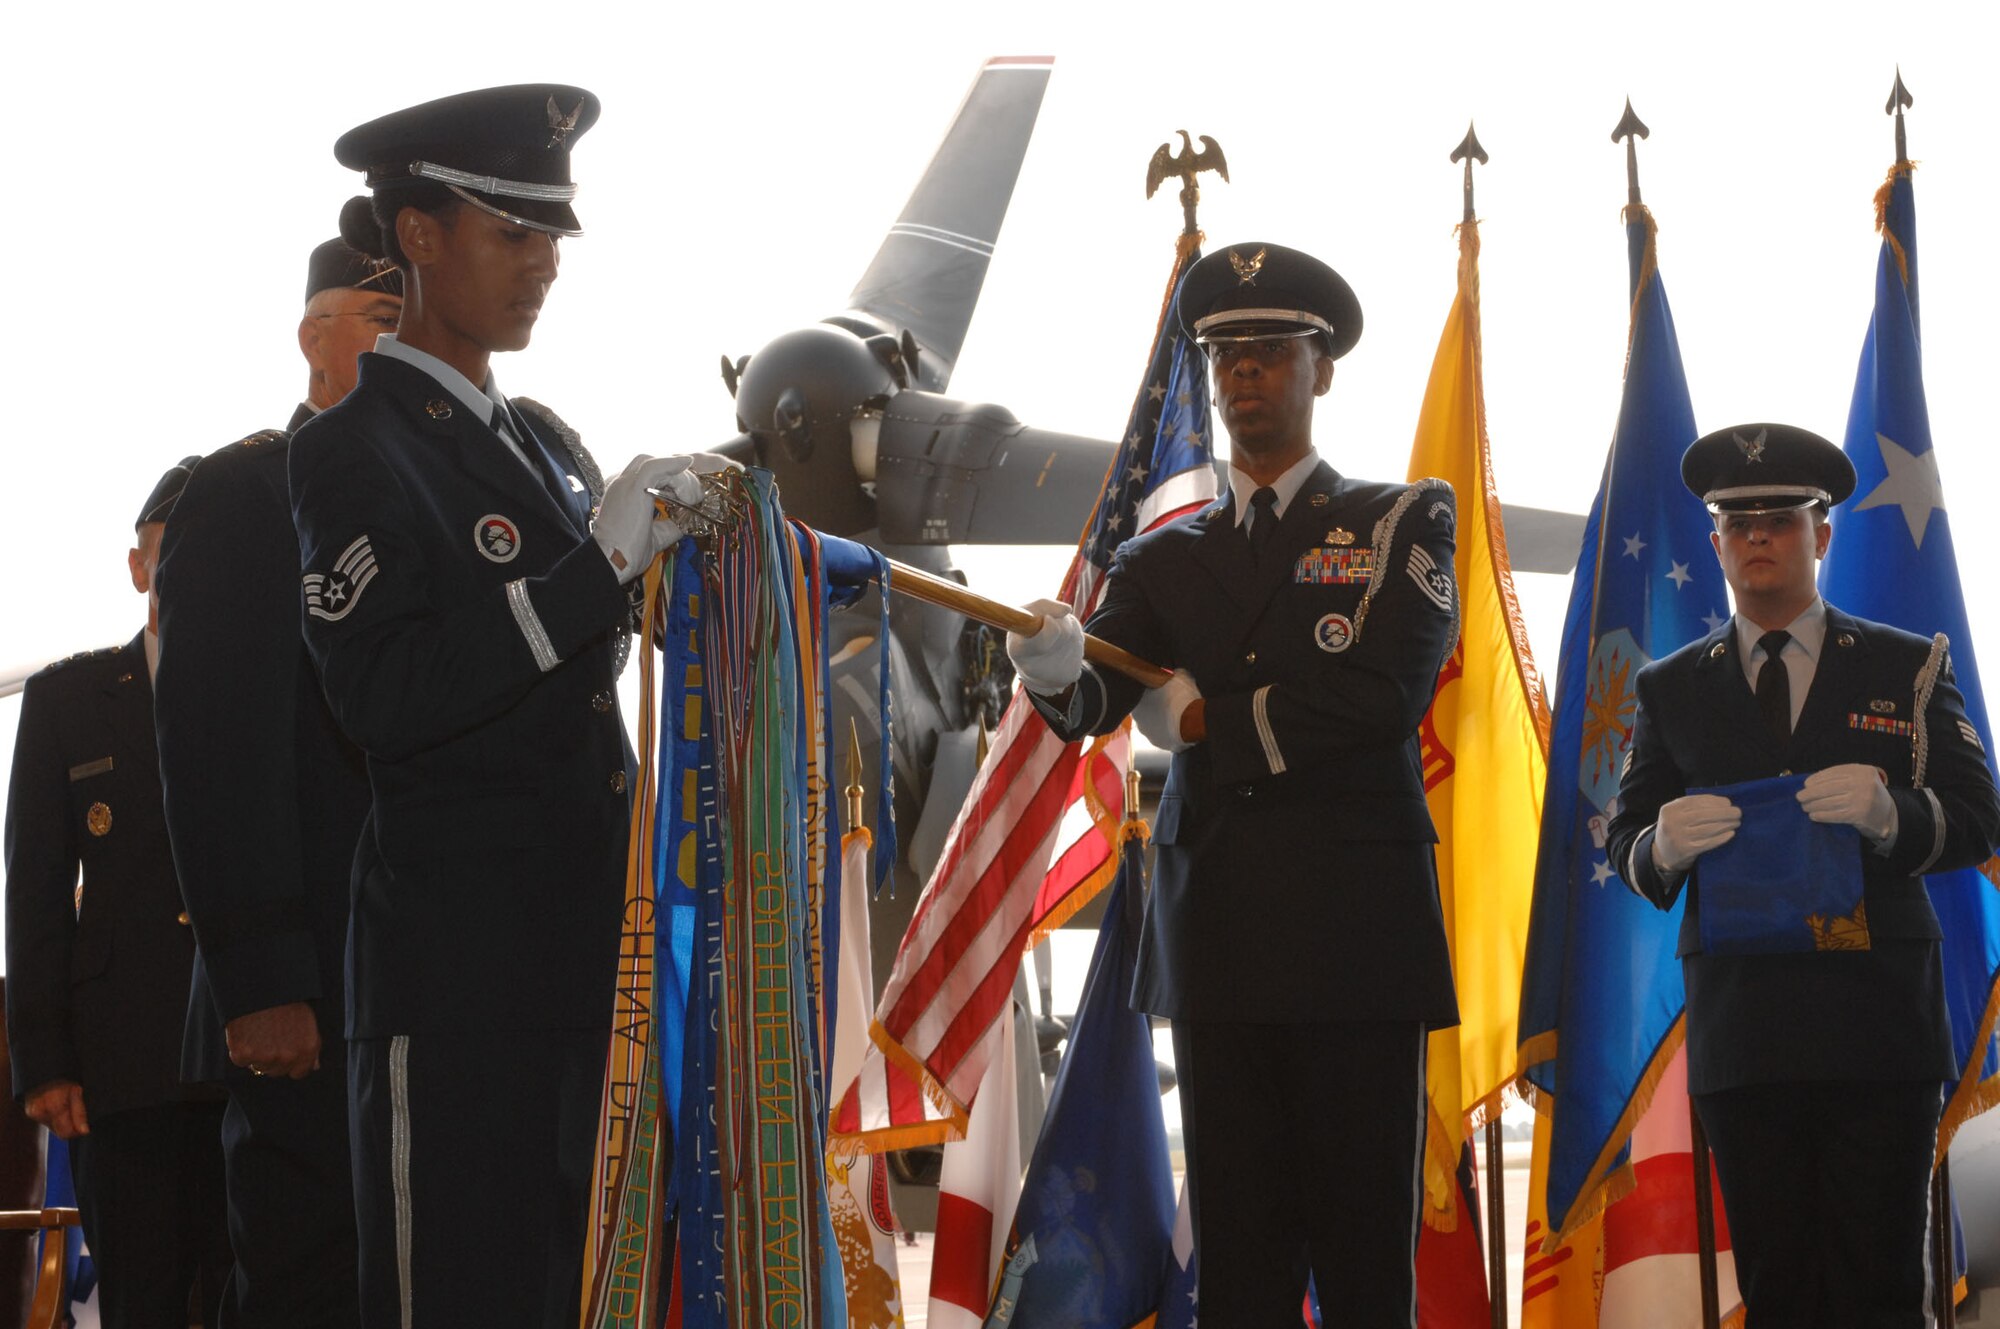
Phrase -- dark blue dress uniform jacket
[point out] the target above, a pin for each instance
(1294, 877)
(95, 993)
(465, 625)
(264, 795)
(1877, 1014)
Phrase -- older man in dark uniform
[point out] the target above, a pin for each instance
(466, 600)
(97, 972)
(1293, 935)
(264, 801)
(1797, 772)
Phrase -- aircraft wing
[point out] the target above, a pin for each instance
(927, 275)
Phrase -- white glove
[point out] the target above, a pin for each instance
(629, 527)
(711, 463)
(1851, 795)
(1158, 713)
(1689, 827)
(1052, 659)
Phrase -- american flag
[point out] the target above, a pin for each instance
(1037, 837)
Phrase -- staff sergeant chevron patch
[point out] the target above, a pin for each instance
(333, 595)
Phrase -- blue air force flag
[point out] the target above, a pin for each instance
(1601, 993)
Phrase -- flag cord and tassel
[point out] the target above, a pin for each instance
(1903, 167)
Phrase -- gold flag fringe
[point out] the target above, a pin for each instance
(1496, 528)
(1107, 826)
(1605, 1184)
(1973, 1095)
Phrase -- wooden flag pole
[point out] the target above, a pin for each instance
(1704, 1218)
(948, 594)
(1496, 1225)
(717, 511)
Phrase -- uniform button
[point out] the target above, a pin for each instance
(1250, 658)
(184, 920)
(617, 782)
(601, 703)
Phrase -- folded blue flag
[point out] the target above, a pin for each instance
(1783, 882)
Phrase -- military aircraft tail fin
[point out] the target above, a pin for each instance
(927, 275)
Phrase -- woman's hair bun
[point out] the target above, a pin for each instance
(359, 228)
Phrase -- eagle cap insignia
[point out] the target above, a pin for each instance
(560, 125)
(1246, 269)
(1753, 448)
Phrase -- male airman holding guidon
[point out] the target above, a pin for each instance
(466, 598)
(1795, 773)
(1293, 935)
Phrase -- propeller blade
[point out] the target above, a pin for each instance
(1539, 540)
(953, 472)
(927, 275)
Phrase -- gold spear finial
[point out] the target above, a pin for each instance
(853, 790)
(1469, 152)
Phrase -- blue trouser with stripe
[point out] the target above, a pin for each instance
(472, 1162)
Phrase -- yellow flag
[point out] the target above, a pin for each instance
(1485, 752)
(1560, 1287)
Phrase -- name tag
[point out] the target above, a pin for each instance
(102, 766)
(1334, 566)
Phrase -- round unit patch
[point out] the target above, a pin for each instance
(1334, 633)
(497, 538)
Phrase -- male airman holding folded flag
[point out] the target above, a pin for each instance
(1797, 771)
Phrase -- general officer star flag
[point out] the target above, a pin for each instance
(1601, 996)
(1892, 560)
(1092, 1228)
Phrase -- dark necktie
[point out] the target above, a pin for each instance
(1263, 519)
(1774, 687)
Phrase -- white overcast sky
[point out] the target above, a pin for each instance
(171, 167)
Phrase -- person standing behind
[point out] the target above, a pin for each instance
(97, 972)
(1818, 1063)
(1293, 936)
(466, 599)
(350, 301)
(264, 803)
